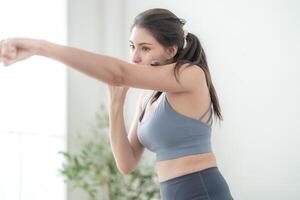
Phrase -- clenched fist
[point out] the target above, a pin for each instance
(16, 49)
(117, 94)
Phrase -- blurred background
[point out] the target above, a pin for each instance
(252, 48)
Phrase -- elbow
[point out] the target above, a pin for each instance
(126, 171)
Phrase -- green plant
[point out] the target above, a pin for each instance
(93, 168)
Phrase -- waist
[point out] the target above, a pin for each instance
(168, 169)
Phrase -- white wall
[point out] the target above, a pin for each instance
(32, 105)
(90, 27)
(252, 49)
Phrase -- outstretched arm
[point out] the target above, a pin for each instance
(103, 68)
(108, 69)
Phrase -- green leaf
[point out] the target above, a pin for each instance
(94, 169)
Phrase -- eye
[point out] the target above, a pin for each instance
(146, 49)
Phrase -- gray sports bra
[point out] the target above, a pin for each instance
(171, 134)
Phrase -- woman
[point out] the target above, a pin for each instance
(173, 120)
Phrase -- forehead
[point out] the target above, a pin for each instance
(142, 35)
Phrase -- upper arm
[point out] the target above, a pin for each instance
(137, 147)
(162, 78)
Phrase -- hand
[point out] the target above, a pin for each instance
(17, 49)
(117, 94)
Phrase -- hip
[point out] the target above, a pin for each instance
(207, 184)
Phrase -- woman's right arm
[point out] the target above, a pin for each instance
(107, 69)
(126, 148)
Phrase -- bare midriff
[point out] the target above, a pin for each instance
(168, 169)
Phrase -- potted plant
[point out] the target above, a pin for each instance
(93, 168)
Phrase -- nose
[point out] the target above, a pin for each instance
(135, 57)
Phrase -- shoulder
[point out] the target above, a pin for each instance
(191, 71)
(192, 76)
(162, 78)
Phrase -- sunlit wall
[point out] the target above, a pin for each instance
(32, 105)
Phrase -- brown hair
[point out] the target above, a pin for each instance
(167, 29)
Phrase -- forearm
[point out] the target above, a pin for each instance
(104, 68)
(121, 147)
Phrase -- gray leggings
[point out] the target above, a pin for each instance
(207, 184)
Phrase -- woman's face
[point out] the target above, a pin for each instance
(144, 48)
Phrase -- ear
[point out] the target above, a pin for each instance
(171, 51)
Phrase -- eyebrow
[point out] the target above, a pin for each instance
(142, 43)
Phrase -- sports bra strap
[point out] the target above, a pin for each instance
(209, 122)
(206, 111)
(147, 101)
